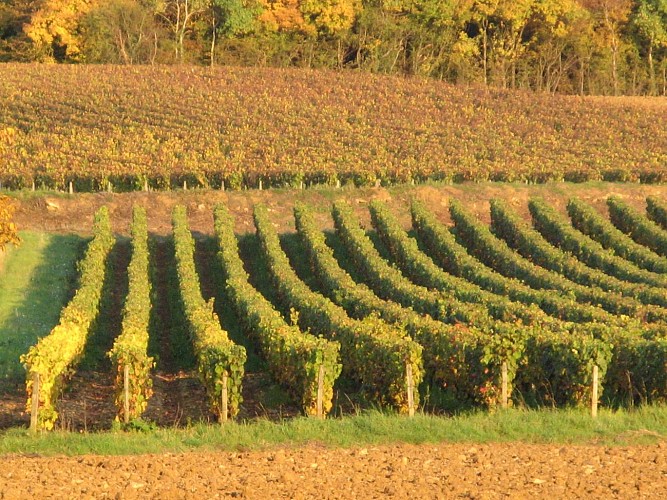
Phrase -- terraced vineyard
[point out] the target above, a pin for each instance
(437, 317)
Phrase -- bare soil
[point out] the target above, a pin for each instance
(74, 213)
(511, 470)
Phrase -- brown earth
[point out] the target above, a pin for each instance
(74, 213)
(444, 471)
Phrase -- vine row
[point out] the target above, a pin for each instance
(421, 269)
(454, 356)
(53, 358)
(587, 220)
(220, 362)
(454, 257)
(293, 357)
(657, 211)
(376, 354)
(640, 228)
(537, 356)
(560, 233)
(130, 348)
(594, 286)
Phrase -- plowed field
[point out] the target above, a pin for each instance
(447, 471)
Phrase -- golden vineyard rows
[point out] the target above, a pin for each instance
(129, 128)
(530, 313)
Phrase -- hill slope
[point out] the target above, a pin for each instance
(164, 125)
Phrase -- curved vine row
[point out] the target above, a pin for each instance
(456, 357)
(594, 286)
(640, 228)
(560, 233)
(454, 257)
(374, 353)
(656, 210)
(587, 220)
(422, 270)
(293, 357)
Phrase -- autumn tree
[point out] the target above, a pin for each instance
(14, 44)
(611, 17)
(330, 17)
(282, 15)
(54, 29)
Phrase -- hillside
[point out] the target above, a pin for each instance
(128, 128)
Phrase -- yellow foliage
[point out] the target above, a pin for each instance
(57, 23)
(311, 16)
(8, 233)
(282, 15)
(331, 16)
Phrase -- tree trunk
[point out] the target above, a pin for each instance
(155, 44)
(213, 34)
(651, 69)
(485, 53)
(614, 69)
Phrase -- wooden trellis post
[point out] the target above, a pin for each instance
(503, 388)
(320, 392)
(594, 398)
(224, 402)
(411, 389)
(34, 413)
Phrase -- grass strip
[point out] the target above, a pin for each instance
(642, 426)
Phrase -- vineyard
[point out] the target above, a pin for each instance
(103, 128)
(458, 310)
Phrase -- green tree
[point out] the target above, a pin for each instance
(650, 21)
(439, 46)
(232, 18)
(121, 32)
(559, 30)
(180, 17)
(611, 17)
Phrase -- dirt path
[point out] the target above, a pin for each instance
(401, 471)
(261, 395)
(178, 396)
(64, 213)
(88, 402)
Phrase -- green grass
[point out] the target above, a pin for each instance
(629, 427)
(35, 283)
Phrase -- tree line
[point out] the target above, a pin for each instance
(609, 47)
